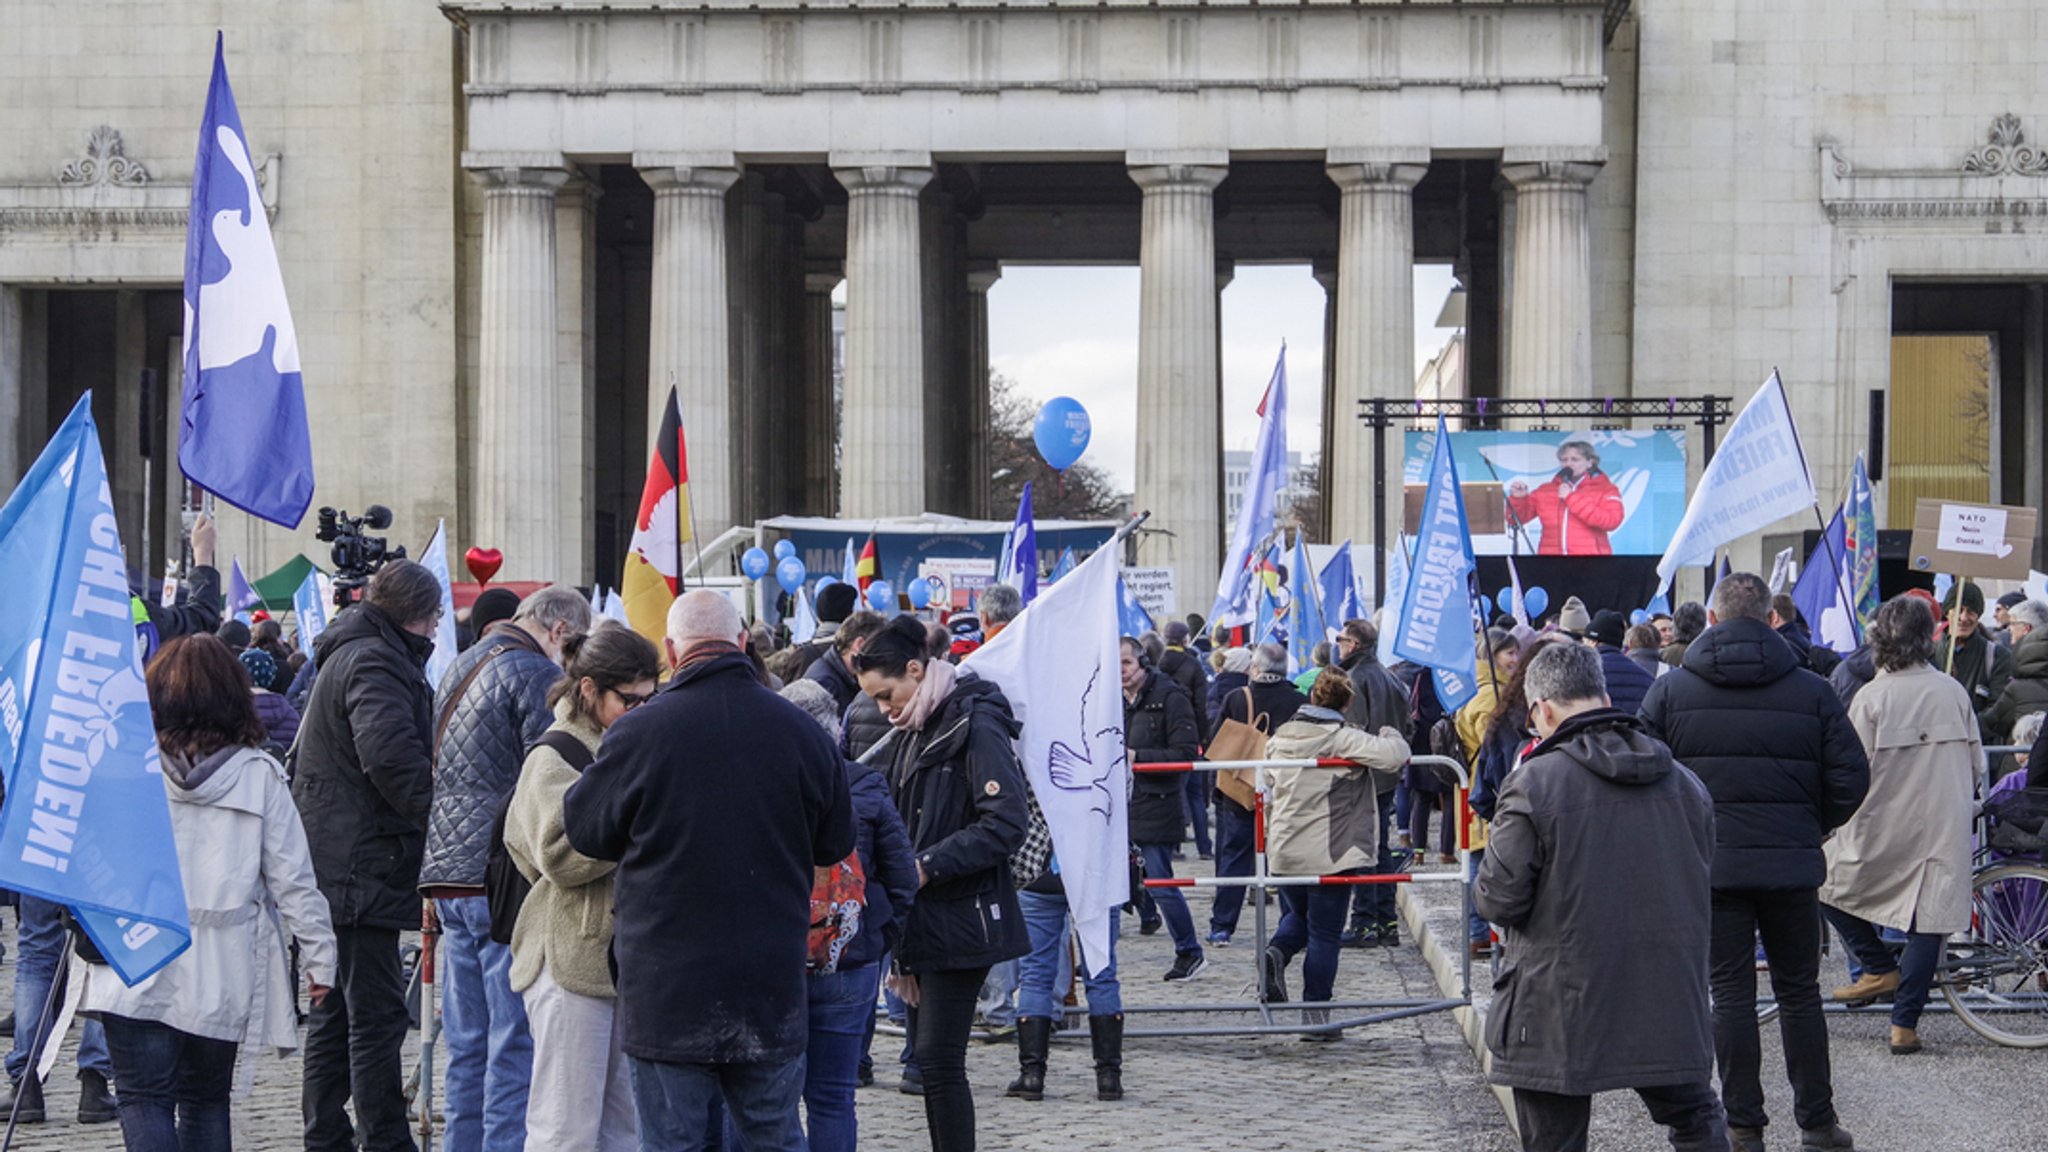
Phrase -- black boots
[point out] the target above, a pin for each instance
(30, 1111)
(95, 1099)
(1034, 1039)
(1106, 1036)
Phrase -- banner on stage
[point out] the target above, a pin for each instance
(1154, 589)
(1576, 492)
(962, 581)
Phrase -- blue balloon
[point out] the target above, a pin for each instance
(790, 573)
(1506, 599)
(920, 594)
(754, 562)
(1639, 616)
(1061, 432)
(1535, 600)
(784, 549)
(881, 597)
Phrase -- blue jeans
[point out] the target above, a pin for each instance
(1197, 786)
(1374, 903)
(842, 1008)
(1915, 966)
(1173, 907)
(1233, 858)
(678, 1104)
(1047, 967)
(1312, 919)
(998, 1001)
(40, 948)
(1476, 924)
(174, 1087)
(484, 1033)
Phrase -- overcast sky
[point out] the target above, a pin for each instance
(1074, 332)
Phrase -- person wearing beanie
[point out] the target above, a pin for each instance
(234, 634)
(1574, 619)
(2001, 618)
(1627, 682)
(280, 719)
(491, 605)
(1964, 648)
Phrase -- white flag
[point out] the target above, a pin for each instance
(1060, 666)
(435, 558)
(615, 608)
(803, 623)
(1757, 477)
(1392, 608)
(1781, 571)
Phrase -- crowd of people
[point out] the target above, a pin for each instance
(1661, 809)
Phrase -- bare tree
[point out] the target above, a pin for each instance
(1084, 492)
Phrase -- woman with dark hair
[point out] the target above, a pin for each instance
(175, 1036)
(1577, 508)
(960, 790)
(1903, 860)
(581, 1099)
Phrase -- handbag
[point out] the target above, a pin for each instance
(1238, 740)
(1032, 858)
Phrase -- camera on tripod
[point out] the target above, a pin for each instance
(357, 554)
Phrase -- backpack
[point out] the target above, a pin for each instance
(839, 894)
(505, 887)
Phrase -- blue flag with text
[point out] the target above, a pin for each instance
(1339, 589)
(1757, 478)
(85, 823)
(1437, 627)
(243, 423)
(1019, 565)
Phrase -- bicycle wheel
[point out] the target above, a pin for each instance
(1995, 976)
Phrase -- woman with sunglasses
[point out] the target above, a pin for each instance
(582, 1095)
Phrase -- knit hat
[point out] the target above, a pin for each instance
(262, 669)
(492, 605)
(1972, 598)
(233, 633)
(836, 603)
(1609, 627)
(2011, 598)
(1574, 618)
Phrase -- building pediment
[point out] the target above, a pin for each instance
(102, 194)
(2001, 181)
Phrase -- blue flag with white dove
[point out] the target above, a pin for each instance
(1236, 592)
(1437, 627)
(1822, 592)
(1064, 565)
(310, 606)
(1131, 615)
(243, 434)
(1019, 564)
(1338, 590)
(85, 823)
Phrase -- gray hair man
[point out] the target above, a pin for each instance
(1598, 824)
(999, 604)
(2027, 692)
(492, 705)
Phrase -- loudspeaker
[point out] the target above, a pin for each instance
(1874, 455)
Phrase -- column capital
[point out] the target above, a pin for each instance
(512, 171)
(983, 274)
(686, 174)
(1176, 176)
(1551, 167)
(883, 177)
(1354, 171)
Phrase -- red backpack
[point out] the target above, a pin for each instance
(839, 893)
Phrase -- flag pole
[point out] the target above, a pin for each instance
(682, 483)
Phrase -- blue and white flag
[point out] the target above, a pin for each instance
(1339, 590)
(849, 573)
(86, 823)
(1064, 565)
(1756, 478)
(1305, 626)
(1019, 565)
(1060, 665)
(241, 595)
(435, 560)
(1131, 615)
(1859, 527)
(1822, 592)
(1518, 606)
(1437, 629)
(310, 606)
(1393, 606)
(1660, 604)
(803, 621)
(1236, 594)
(244, 436)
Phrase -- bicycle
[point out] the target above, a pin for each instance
(1995, 976)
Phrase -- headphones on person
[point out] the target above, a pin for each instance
(1144, 655)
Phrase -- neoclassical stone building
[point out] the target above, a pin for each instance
(509, 227)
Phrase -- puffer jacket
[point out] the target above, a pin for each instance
(862, 727)
(886, 859)
(1159, 727)
(1325, 820)
(960, 790)
(1187, 670)
(2025, 694)
(565, 925)
(1857, 669)
(364, 775)
(485, 737)
(830, 672)
(1774, 747)
(1627, 683)
(280, 719)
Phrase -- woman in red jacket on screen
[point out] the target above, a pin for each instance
(1577, 508)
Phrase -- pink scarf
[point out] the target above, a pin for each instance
(931, 692)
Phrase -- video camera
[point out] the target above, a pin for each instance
(357, 554)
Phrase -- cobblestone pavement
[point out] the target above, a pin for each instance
(1405, 1085)
(1962, 1094)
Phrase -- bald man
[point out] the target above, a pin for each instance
(716, 798)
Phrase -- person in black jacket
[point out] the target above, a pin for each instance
(718, 799)
(1378, 700)
(1775, 748)
(1627, 682)
(1187, 669)
(1159, 725)
(363, 782)
(1267, 702)
(960, 789)
(833, 668)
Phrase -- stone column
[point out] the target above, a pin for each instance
(821, 400)
(518, 446)
(1335, 410)
(1550, 328)
(576, 352)
(882, 447)
(1179, 402)
(1375, 329)
(688, 328)
(981, 277)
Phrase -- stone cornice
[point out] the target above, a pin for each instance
(2006, 178)
(91, 210)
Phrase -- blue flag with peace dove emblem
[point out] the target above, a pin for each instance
(243, 433)
(85, 823)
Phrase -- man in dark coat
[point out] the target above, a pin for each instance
(362, 782)
(1378, 700)
(1775, 748)
(1979, 664)
(1159, 726)
(1627, 683)
(1599, 866)
(1267, 702)
(835, 605)
(717, 798)
(833, 669)
(1187, 669)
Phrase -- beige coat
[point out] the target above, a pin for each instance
(1325, 820)
(1903, 860)
(566, 923)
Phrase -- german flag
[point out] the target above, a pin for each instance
(654, 559)
(869, 568)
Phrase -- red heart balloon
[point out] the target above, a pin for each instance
(483, 563)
